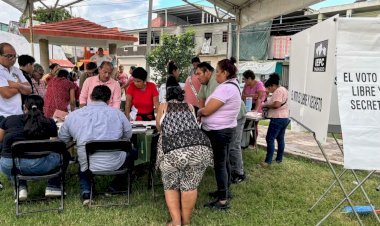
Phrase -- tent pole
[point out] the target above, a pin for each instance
(31, 26)
(149, 36)
(238, 39)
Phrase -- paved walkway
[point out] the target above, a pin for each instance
(303, 144)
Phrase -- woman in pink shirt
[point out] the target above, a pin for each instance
(255, 89)
(219, 122)
(278, 113)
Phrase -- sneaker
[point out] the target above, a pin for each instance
(22, 194)
(85, 198)
(215, 194)
(236, 179)
(217, 205)
(252, 147)
(278, 161)
(263, 165)
(52, 192)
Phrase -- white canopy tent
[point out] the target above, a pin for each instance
(249, 12)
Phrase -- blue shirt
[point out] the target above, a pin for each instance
(96, 121)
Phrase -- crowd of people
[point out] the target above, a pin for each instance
(101, 102)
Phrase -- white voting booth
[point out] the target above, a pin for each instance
(334, 86)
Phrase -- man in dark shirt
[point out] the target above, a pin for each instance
(26, 66)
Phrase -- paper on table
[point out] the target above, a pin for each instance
(254, 115)
(133, 113)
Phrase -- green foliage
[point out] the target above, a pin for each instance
(51, 15)
(179, 48)
(48, 15)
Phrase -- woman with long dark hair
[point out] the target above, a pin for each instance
(278, 112)
(171, 80)
(32, 125)
(219, 123)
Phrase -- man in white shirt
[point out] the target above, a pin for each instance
(100, 57)
(12, 82)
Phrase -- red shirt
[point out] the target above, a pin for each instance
(143, 99)
(57, 95)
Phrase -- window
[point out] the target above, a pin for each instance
(142, 38)
(155, 38)
(209, 36)
(225, 36)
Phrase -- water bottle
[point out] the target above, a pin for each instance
(248, 104)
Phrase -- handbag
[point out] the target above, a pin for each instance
(266, 110)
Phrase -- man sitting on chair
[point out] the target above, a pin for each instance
(98, 121)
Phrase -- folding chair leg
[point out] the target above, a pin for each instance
(17, 197)
(61, 208)
(91, 191)
(129, 185)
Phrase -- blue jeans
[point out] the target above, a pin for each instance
(36, 166)
(276, 131)
(220, 141)
(236, 159)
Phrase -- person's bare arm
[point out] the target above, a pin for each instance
(212, 106)
(156, 102)
(128, 102)
(258, 100)
(72, 99)
(2, 134)
(8, 92)
(274, 105)
(160, 112)
(22, 87)
(202, 103)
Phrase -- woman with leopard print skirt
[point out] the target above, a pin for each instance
(183, 154)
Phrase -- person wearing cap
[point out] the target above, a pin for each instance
(100, 57)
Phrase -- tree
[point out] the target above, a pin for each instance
(179, 48)
(49, 15)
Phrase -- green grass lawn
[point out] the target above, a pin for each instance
(280, 195)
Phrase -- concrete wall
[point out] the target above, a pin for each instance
(138, 61)
(217, 30)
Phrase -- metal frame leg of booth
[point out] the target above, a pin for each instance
(357, 180)
(337, 178)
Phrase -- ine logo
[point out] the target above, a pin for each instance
(320, 56)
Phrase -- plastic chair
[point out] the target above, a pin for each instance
(108, 146)
(36, 149)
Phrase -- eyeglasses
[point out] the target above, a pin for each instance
(10, 56)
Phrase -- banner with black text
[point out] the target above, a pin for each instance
(358, 86)
(312, 73)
